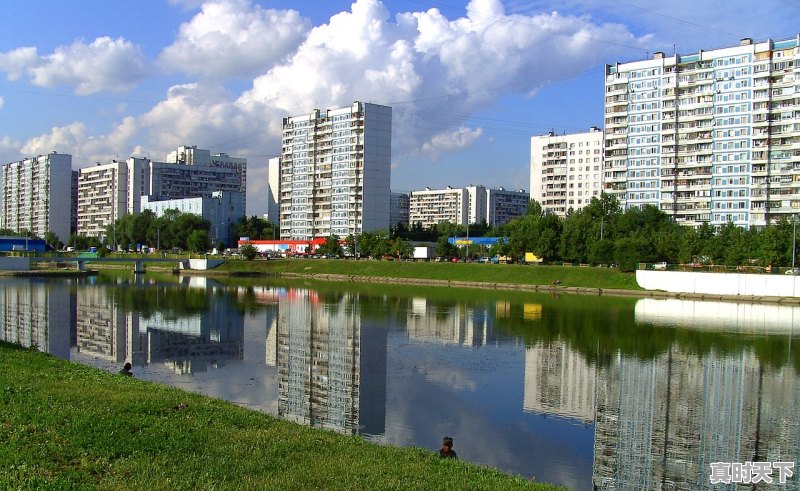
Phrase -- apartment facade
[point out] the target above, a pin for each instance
(503, 205)
(462, 206)
(335, 171)
(102, 197)
(36, 195)
(430, 207)
(566, 170)
(198, 157)
(710, 137)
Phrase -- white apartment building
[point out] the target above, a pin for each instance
(335, 170)
(102, 197)
(223, 210)
(566, 170)
(36, 195)
(463, 206)
(431, 207)
(274, 190)
(109, 191)
(707, 137)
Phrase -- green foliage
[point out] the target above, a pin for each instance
(255, 228)
(331, 247)
(445, 249)
(248, 251)
(198, 241)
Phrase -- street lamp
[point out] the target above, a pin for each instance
(794, 240)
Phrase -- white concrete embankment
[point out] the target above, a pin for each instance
(752, 285)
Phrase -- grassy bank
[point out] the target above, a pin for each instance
(587, 277)
(68, 426)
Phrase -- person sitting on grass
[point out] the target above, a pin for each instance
(447, 452)
(126, 370)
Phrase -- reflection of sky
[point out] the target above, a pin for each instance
(475, 396)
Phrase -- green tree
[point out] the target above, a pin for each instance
(331, 247)
(248, 251)
(445, 249)
(52, 240)
(198, 241)
(255, 228)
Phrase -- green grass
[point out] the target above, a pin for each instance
(572, 276)
(69, 426)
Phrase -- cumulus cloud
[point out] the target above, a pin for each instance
(73, 139)
(105, 64)
(428, 66)
(233, 38)
(436, 72)
(196, 112)
(451, 141)
(9, 149)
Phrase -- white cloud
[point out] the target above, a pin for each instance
(2, 102)
(233, 38)
(431, 68)
(197, 113)
(105, 64)
(17, 61)
(72, 139)
(62, 139)
(451, 141)
(9, 150)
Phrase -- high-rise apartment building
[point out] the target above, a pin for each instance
(463, 206)
(566, 170)
(102, 197)
(335, 170)
(109, 191)
(199, 157)
(36, 195)
(431, 207)
(707, 137)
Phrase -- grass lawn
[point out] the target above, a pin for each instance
(69, 426)
(575, 276)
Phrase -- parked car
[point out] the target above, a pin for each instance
(795, 271)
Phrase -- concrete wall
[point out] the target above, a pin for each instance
(760, 285)
(15, 263)
(202, 264)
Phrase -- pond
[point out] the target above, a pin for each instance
(583, 391)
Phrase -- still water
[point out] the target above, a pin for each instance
(583, 391)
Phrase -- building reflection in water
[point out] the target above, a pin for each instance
(29, 308)
(458, 323)
(662, 421)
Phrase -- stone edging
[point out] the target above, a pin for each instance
(547, 288)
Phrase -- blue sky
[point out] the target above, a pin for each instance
(470, 82)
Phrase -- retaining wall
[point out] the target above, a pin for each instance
(15, 263)
(756, 285)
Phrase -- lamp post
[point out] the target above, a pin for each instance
(794, 240)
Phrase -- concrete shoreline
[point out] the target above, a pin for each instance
(549, 288)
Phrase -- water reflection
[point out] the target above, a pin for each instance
(582, 391)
